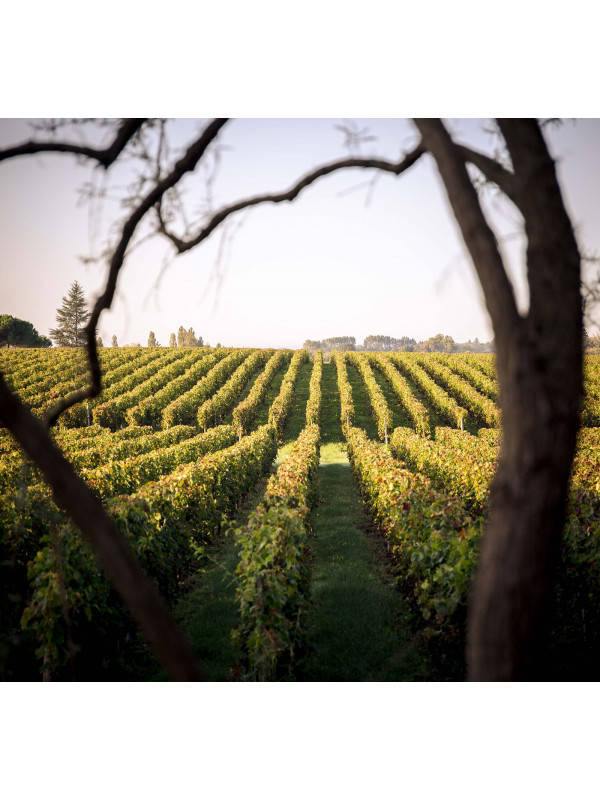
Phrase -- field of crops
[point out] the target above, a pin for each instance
(181, 437)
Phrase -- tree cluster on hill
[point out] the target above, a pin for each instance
(591, 344)
(388, 343)
(15, 332)
(185, 338)
(475, 346)
(435, 344)
(446, 344)
(341, 343)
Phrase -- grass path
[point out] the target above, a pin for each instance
(359, 626)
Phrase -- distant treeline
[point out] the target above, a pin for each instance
(591, 344)
(435, 344)
(15, 332)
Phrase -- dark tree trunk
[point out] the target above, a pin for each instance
(511, 605)
(540, 372)
(539, 364)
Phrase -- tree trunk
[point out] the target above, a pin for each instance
(540, 370)
(539, 364)
(511, 606)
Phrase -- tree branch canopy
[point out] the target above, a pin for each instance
(396, 168)
(105, 157)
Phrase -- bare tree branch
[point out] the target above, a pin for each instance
(492, 170)
(106, 157)
(478, 236)
(396, 168)
(73, 494)
(186, 163)
(110, 546)
(553, 259)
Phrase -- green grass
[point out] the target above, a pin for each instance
(436, 419)
(359, 625)
(297, 416)
(363, 417)
(208, 612)
(400, 416)
(262, 416)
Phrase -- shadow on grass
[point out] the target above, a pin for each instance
(209, 613)
(360, 627)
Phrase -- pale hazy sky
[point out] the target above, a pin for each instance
(340, 260)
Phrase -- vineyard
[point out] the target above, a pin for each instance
(216, 459)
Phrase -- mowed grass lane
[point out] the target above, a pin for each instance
(359, 625)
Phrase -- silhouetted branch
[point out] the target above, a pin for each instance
(492, 170)
(396, 168)
(478, 236)
(185, 164)
(70, 491)
(110, 546)
(106, 157)
(553, 259)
